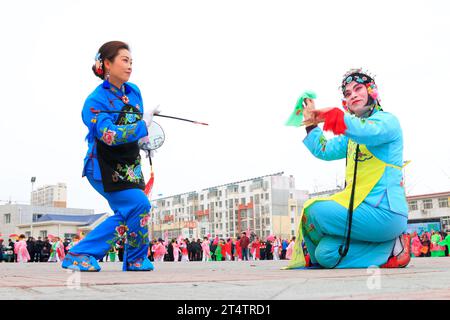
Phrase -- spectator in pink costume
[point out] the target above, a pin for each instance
(176, 250)
(206, 250)
(416, 245)
(20, 249)
(290, 248)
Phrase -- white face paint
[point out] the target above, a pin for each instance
(356, 97)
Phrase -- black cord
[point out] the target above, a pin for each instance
(343, 251)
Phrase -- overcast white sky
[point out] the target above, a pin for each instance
(238, 65)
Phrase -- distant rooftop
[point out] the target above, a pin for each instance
(231, 183)
(429, 195)
(82, 219)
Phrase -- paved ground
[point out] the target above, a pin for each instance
(425, 278)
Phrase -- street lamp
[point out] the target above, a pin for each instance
(33, 180)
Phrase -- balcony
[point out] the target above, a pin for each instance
(233, 188)
(176, 200)
(257, 184)
(213, 192)
(201, 213)
(168, 218)
(193, 196)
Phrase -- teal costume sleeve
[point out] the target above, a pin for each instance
(378, 129)
(320, 147)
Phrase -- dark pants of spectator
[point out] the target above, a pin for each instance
(262, 253)
(37, 257)
(244, 254)
(283, 254)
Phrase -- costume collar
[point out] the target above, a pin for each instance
(126, 87)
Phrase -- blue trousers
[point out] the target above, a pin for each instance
(131, 213)
(373, 234)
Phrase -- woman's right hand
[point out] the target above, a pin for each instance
(309, 117)
(148, 116)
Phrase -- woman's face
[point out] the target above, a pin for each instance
(356, 97)
(120, 69)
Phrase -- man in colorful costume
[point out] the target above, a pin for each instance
(366, 228)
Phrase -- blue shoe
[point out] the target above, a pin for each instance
(140, 265)
(80, 262)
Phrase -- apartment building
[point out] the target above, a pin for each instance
(429, 211)
(264, 205)
(50, 196)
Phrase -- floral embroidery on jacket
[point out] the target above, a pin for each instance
(108, 137)
(323, 142)
(126, 132)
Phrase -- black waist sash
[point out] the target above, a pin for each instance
(120, 165)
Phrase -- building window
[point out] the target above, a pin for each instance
(412, 205)
(43, 234)
(243, 189)
(201, 197)
(428, 204)
(242, 200)
(267, 196)
(36, 217)
(292, 220)
(7, 218)
(443, 202)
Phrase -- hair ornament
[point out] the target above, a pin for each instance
(98, 64)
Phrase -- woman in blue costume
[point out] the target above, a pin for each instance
(112, 163)
(363, 225)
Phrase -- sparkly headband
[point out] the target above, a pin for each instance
(357, 77)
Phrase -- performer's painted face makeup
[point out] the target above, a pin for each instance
(120, 69)
(356, 96)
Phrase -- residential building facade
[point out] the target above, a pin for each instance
(429, 211)
(50, 196)
(264, 205)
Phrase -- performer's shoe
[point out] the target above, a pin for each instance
(402, 259)
(140, 265)
(311, 265)
(80, 262)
